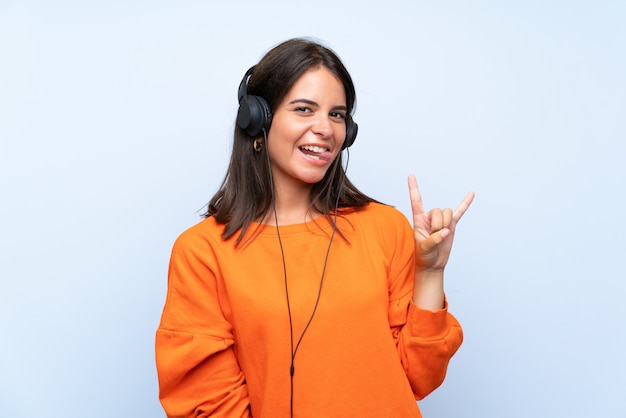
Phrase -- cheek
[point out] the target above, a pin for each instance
(284, 134)
(340, 134)
(281, 145)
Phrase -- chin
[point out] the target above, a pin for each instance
(312, 179)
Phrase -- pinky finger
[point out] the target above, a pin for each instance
(463, 206)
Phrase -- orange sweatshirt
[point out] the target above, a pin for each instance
(223, 347)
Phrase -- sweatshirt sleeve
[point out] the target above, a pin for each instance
(425, 340)
(199, 375)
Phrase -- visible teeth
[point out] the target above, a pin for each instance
(314, 148)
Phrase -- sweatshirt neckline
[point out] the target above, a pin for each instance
(319, 224)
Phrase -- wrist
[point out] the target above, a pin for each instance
(429, 275)
(428, 290)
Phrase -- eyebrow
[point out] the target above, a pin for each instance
(312, 103)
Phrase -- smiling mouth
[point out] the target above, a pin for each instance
(314, 151)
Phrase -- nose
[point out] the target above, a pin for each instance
(322, 127)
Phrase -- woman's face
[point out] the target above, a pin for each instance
(308, 129)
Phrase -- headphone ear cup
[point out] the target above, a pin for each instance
(351, 130)
(254, 115)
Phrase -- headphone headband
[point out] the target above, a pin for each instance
(242, 93)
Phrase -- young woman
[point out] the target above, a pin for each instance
(298, 295)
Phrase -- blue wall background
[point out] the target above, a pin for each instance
(115, 122)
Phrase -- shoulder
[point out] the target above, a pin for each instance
(381, 215)
(206, 233)
(386, 234)
(381, 220)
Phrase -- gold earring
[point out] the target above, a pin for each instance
(257, 145)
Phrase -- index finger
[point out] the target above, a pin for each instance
(463, 206)
(416, 198)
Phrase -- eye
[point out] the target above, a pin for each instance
(337, 115)
(303, 109)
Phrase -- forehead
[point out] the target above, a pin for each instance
(319, 84)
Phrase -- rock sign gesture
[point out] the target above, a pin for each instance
(434, 233)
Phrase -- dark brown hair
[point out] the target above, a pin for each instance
(245, 194)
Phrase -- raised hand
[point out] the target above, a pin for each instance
(434, 231)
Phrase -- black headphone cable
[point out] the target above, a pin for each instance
(294, 350)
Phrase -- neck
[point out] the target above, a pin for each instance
(292, 205)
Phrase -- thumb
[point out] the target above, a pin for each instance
(434, 240)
